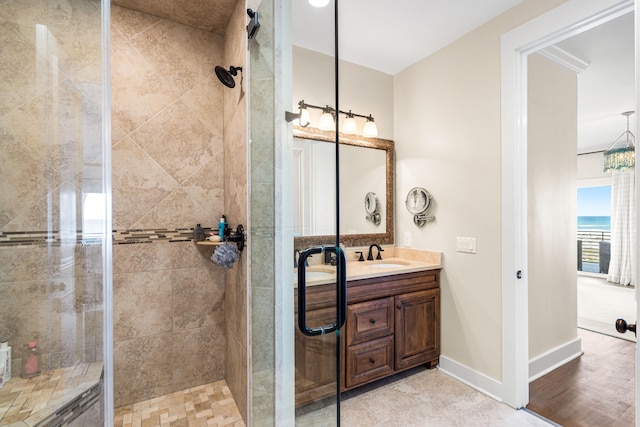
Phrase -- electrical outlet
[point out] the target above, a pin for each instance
(407, 240)
(466, 245)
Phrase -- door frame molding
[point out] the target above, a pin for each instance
(566, 20)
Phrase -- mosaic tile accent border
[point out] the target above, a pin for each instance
(120, 237)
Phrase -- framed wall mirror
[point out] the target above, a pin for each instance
(366, 166)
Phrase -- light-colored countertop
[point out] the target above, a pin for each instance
(28, 402)
(400, 261)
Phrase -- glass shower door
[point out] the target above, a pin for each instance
(54, 212)
(320, 276)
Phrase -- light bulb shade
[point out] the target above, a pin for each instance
(620, 159)
(304, 118)
(349, 126)
(326, 122)
(318, 3)
(370, 130)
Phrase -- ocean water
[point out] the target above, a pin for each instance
(594, 223)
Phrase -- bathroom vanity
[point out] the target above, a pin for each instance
(392, 324)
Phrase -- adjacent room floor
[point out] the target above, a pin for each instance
(595, 390)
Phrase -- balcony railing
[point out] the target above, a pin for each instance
(594, 251)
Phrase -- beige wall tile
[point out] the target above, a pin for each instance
(24, 315)
(208, 15)
(198, 356)
(197, 297)
(142, 369)
(153, 257)
(129, 23)
(141, 304)
(182, 55)
(206, 188)
(236, 370)
(139, 183)
(175, 210)
(26, 176)
(137, 90)
(177, 141)
(17, 76)
(204, 101)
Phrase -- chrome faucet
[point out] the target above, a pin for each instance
(370, 255)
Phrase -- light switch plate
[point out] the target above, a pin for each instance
(466, 245)
(407, 240)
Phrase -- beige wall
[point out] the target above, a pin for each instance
(362, 90)
(552, 148)
(447, 133)
(169, 299)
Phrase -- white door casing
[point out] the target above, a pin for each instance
(566, 20)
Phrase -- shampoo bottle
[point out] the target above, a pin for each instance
(221, 226)
(198, 233)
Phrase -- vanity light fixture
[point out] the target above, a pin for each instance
(327, 120)
(623, 158)
(370, 130)
(350, 127)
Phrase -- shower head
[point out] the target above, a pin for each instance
(226, 76)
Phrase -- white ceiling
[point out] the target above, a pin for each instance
(389, 36)
(606, 87)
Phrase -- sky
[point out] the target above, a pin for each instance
(594, 201)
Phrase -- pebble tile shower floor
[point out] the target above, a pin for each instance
(205, 405)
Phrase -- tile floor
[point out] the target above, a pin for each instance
(419, 397)
(422, 397)
(205, 405)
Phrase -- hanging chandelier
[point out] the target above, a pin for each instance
(623, 158)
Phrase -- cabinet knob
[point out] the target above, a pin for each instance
(372, 321)
(372, 360)
(398, 306)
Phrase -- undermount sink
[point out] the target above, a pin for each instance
(391, 264)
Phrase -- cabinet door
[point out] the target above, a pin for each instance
(417, 318)
(315, 360)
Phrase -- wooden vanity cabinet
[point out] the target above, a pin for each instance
(399, 313)
(393, 323)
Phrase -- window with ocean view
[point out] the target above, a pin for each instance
(594, 229)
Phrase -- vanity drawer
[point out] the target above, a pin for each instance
(369, 320)
(369, 361)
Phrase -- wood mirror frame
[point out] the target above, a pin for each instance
(386, 238)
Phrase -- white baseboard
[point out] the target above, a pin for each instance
(474, 379)
(554, 358)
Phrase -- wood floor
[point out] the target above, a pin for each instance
(594, 390)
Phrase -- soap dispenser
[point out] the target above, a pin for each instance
(221, 226)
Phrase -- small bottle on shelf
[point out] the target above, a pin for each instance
(221, 226)
(198, 233)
